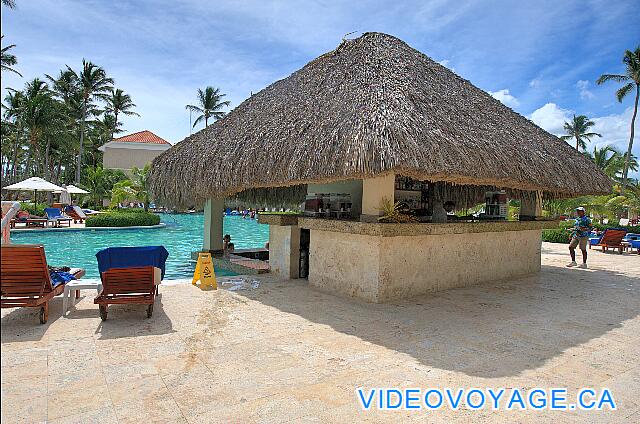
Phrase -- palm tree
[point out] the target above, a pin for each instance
(209, 105)
(631, 162)
(7, 60)
(100, 182)
(94, 84)
(11, 4)
(13, 112)
(65, 86)
(118, 102)
(37, 113)
(608, 159)
(135, 188)
(578, 129)
(631, 78)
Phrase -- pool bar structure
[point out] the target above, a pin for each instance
(358, 123)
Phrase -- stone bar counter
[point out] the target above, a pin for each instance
(381, 262)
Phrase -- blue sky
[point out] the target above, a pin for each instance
(539, 57)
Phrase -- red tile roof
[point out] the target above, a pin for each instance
(141, 137)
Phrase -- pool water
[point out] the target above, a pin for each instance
(182, 235)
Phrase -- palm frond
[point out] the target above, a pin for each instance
(611, 77)
(198, 120)
(623, 91)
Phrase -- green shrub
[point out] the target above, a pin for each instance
(34, 209)
(122, 219)
(555, 236)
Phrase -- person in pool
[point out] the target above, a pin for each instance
(226, 240)
(579, 237)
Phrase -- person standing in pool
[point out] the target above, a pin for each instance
(579, 237)
(226, 241)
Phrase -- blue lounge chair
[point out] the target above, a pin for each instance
(130, 275)
(54, 215)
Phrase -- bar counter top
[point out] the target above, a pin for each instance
(413, 229)
(406, 229)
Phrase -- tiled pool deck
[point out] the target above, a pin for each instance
(285, 352)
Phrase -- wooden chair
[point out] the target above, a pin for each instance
(611, 239)
(25, 279)
(76, 214)
(134, 285)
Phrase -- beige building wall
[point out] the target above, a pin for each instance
(127, 159)
(380, 269)
(374, 190)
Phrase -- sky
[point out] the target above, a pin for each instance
(540, 58)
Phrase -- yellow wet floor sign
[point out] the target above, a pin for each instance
(205, 272)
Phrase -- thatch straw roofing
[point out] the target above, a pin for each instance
(371, 106)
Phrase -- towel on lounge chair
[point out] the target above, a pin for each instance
(127, 257)
(60, 277)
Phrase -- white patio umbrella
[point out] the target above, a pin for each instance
(34, 184)
(70, 189)
(75, 190)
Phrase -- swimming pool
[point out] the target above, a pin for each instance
(182, 235)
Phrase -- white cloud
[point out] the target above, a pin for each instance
(551, 117)
(615, 131)
(614, 128)
(506, 98)
(583, 86)
(535, 83)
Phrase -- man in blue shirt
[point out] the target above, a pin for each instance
(579, 237)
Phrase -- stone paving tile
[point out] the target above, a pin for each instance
(156, 408)
(289, 353)
(106, 415)
(77, 399)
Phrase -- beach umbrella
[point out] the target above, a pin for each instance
(34, 184)
(75, 190)
(70, 189)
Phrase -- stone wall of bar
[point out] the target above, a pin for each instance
(372, 262)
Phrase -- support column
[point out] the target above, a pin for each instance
(531, 206)
(373, 191)
(284, 251)
(213, 217)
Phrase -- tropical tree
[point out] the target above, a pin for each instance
(578, 129)
(209, 105)
(13, 107)
(119, 103)
(11, 4)
(65, 85)
(608, 159)
(631, 80)
(37, 114)
(631, 162)
(7, 60)
(99, 182)
(94, 85)
(136, 188)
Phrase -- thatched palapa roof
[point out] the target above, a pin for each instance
(371, 106)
